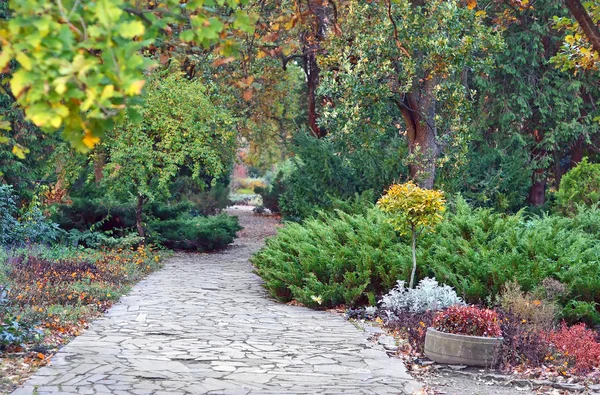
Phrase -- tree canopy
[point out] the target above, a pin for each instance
(181, 130)
(81, 64)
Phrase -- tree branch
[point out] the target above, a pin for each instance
(585, 21)
(139, 14)
(285, 59)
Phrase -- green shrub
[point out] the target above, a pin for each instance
(104, 214)
(27, 225)
(581, 185)
(211, 201)
(204, 201)
(338, 167)
(195, 233)
(334, 259)
(477, 251)
(100, 214)
(343, 258)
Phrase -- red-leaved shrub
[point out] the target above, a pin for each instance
(578, 346)
(468, 320)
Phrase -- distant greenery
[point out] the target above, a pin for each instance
(338, 167)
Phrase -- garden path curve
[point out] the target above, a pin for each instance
(204, 325)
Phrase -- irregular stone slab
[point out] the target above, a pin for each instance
(205, 325)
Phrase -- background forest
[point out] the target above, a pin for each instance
(123, 123)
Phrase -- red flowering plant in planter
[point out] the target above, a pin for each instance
(468, 320)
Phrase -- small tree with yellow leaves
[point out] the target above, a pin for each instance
(415, 209)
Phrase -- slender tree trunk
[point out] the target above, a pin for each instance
(99, 162)
(585, 22)
(414, 258)
(138, 216)
(324, 16)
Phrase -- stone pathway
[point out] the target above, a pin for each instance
(204, 325)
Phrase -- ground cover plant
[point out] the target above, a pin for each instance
(467, 320)
(48, 295)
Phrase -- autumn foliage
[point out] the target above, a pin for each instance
(57, 294)
(577, 346)
(413, 206)
(468, 320)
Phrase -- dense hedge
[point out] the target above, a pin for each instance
(195, 233)
(334, 259)
(108, 215)
(345, 258)
(175, 225)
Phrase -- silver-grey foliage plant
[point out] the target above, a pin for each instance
(428, 295)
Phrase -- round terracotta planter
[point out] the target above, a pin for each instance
(452, 349)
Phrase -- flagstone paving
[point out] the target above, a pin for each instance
(204, 325)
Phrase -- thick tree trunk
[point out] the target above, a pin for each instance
(311, 68)
(577, 151)
(585, 22)
(138, 216)
(418, 111)
(537, 193)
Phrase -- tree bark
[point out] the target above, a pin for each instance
(138, 216)
(99, 162)
(585, 21)
(577, 151)
(311, 69)
(537, 192)
(557, 167)
(418, 111)
(324, 15)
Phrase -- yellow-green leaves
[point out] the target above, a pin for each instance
(19, 151)
(576, 54)
(79, 63)
(24, 61)
(412, 207)
(180, 128)
(132, 29)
